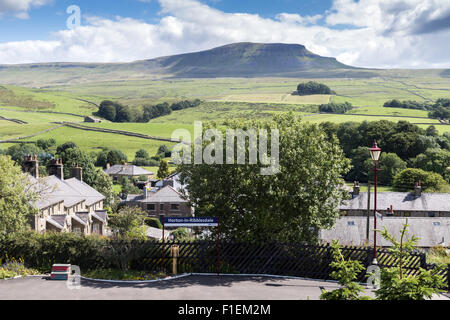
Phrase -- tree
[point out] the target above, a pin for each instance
(163, 171)
(361, 165)
(313, 87)
(114, 157)
(18, 152)
(128, 187)
(17, 195)
(104, 185)
(128, 223)
(346, 273)
(395, 284)
(390, 165)
(72, 157)
(46, 144)
(291, 205)
(434, 160)
(431, 181)
(164, 151)
(142, 154)
(432, 131)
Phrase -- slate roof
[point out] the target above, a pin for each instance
(71, 192)
(58, 221)
(401, 201)
(352, 230)
(127, 170)
(164, 195)
(101, 215)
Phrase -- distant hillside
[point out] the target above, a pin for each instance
(234, 60)
(246, 60)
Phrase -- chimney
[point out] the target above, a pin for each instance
(418, 189)
(108, 165)
(76, 172)
(146, 191)
(31, 165)
(391, 211)
(356, 188)
(56, 168)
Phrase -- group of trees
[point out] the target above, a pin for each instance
(142, 158)
(335, 107)
(404, 145)
(437, 110)
(312, 87)
(116, 112)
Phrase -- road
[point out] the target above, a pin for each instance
(189, 288)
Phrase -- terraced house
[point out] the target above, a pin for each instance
(65, 205)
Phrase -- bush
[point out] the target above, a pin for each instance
(153, 222)
(395, 284)
(430, 181)
(346, 273)
(312, 87)
(336, 107)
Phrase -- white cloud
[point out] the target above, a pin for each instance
(20, 8)
(384, 35)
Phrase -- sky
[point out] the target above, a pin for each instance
(362, 33)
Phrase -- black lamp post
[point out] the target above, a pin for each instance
(375, 153)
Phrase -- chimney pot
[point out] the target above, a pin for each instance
(356, 188)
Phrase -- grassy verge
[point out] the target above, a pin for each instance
(114, 274)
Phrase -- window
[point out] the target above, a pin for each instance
(77, 230)
(96, 228)
(175, 207)
(161, 207)
(431, 214)
(151, 207)
(351, 223)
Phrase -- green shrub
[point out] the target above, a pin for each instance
(395, 284)
(346, 273)
(153, 222)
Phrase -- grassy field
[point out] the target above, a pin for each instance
(224, 98)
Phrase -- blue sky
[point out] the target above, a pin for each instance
(50, 18)
(366, 33)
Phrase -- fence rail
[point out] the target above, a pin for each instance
(285, 259)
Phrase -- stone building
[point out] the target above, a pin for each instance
(65, 205)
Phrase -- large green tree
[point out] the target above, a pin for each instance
(291, 205)
(16, 197)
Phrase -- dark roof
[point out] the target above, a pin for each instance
(58, 221)
(401, 201)
(101, 215)
(352, 230)
(165, 195)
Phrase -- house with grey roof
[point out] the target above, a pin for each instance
(398, 204)
(65, 205)
(428, 215)
(352, 231)
(158, 202)
(117, 172)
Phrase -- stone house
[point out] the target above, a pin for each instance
(398, 204)
(65, 205)
(158, 202)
